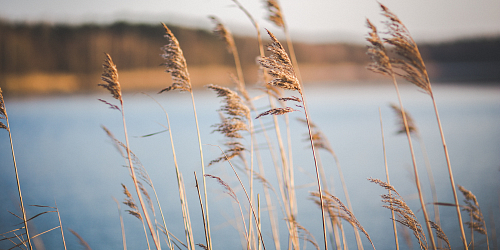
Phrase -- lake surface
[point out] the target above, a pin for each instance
(64, 156)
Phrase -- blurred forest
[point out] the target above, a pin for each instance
(45, 58)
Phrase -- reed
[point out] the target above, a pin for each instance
(6, 126)
(176, 66)
(381, 63)
(394, 228)
(111, 83)
(414, 71)
(406, 217)
(280, 67)
(476, 223)
(415, 131)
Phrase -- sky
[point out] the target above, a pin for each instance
(312, 20)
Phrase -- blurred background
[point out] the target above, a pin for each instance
(51, 55)
(57, 46)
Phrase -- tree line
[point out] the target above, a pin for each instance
(45, 47)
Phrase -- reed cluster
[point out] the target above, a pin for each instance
(396, 56)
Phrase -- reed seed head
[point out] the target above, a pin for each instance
(409, 120)
(234, 149)
(477, 219)
(276, 111)
(275, 14)
(377, 52)
(411, 62)
(440, 234)
(221, 31)
(279, 66)
(405, 216)
(175, 63)
(228, 189)
(110, 78)
(234, 105)
(129, 201)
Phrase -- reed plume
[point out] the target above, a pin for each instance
(476, 222)
(177, 67)
(280, 67)
(381, 63)
(440, 234)
(224, 33)
(406, 216)
(133, 209)
(411, 63)
(337, 208)
(6, 126)
(111, 83)
(238, 114)
(175, 63)
(276, 16)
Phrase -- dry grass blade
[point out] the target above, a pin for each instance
(279, 66)
(377, 52)
(411, 63)
(82, 242)
(440, 234)
(410, 122)
(275, 14)
(110, 77)
(175, 63)
(405, 216)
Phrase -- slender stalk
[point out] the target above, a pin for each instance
(202, 209)
(317, 170)
(134, 179)
(124, 240)
(3, 111)
(60, 225)
(453, 188)
(396, 241)
(417, 179)
(185, 211)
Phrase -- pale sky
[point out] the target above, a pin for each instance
(308, 20)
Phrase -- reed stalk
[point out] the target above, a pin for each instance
(396, 240)
(414, 130)
(124, 239)
(6, 126)
(110, 79)
(185, 211)
(60, 225)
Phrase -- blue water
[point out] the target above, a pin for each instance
(64, 156)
